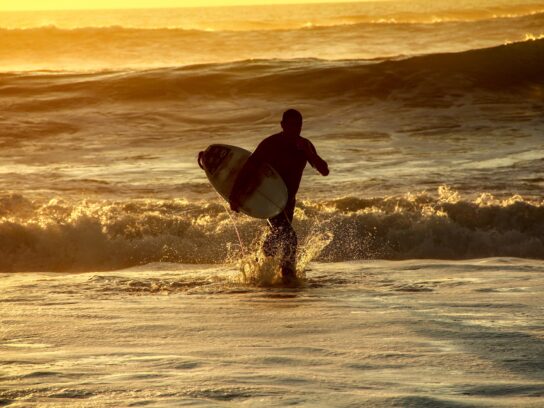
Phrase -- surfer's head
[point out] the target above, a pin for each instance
(291, 123)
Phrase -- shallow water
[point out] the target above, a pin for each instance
(381, 334)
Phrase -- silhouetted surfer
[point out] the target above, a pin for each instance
(288, 153)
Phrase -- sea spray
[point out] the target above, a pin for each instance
(311, 248)
(260, 270)
(99, 235)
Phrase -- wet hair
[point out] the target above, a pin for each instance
(291, 115)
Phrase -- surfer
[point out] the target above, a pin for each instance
(287, 152)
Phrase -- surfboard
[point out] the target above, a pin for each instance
(266, 197)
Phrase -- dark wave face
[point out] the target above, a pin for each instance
(103, 235)
(508, 68)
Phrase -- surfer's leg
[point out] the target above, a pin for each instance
(273, 240)
(289, 256)
(290, 242)
(282, 237)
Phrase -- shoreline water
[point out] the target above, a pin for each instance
(382, 334)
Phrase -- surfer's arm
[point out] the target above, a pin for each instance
(314, 159)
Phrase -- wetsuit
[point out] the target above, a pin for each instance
(288, 156)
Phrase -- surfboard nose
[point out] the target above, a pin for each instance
(211, 158)
(199, 160)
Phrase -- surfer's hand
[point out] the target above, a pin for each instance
(234, 206)
(323, 168)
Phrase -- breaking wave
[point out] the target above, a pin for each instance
(107, 235)
(499, 69)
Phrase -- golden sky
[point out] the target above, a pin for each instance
(116, 4)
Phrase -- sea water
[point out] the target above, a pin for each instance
(123, 278)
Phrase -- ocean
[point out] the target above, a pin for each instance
(124, 281)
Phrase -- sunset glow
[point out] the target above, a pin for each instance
(131, 4)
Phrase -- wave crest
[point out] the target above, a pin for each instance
(106, 235)
(516, 67)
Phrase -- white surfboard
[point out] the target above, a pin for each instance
(267, 195)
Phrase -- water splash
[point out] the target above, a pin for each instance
(257, 269)
(100, 235)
